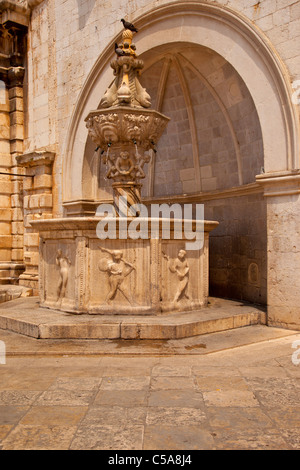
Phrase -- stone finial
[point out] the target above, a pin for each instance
(126, 88)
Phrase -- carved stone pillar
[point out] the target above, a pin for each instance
(5, 183)
(37, 196)
(15, 93)
(11, 213)
(14, 20)
(282, 191)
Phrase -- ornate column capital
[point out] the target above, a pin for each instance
(14, 13)
(15, 76)
(14, 22)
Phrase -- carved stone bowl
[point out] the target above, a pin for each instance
(123, 125)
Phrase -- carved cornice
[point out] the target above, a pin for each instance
(90, 224)
(36, 158)
(87, 207)
(285, 183)
(14, 14)
(13, 29)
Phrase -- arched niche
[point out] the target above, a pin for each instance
(231, 37)
(213, 141)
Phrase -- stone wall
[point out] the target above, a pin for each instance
(238, 248)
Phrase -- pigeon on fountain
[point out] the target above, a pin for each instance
(129, 26)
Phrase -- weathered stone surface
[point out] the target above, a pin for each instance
(27, 318)
(9, 292)
(219, 70)
(138, 277)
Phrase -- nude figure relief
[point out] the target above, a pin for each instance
(117, 269)
(180, 267)
(64, 264)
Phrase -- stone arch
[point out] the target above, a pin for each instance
(214, 139)
(235, 39)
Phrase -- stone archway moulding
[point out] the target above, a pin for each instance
(229, 34)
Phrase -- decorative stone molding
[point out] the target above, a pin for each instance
(286, 183)
(89, 207)
(36, 158)
(124, 127)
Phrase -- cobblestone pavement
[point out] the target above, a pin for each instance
(237, 397)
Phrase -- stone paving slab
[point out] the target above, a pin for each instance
(24, 316)
(241, 397)
(235, 389)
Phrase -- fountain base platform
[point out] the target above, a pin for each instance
(26, 317)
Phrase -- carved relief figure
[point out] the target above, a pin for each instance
(63, 262)
(124, 164)
(117, 269)
(181, 268)
(111, 170)
(141, 161)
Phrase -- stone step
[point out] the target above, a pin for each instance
(10, 292)
(24, 316)
(23, 346)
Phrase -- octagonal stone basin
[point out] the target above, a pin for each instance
(79, 273)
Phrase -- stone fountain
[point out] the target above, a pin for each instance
(125, 129)
(84, 273)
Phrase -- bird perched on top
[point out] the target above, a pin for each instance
(118, 50)
(129, 26)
